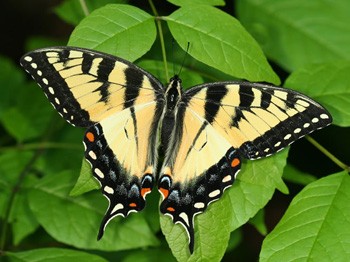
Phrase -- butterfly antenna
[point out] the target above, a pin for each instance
(186, 54)
(173, 54)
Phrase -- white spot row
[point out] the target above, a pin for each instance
(199, 205)
(297, 131)
(286, 137)
(214, 193)
(28, 58)
(117, 207)
(92, 155)
(184, 216)
(99, 173)
(226, 179)
(108, 190)
(324, 116)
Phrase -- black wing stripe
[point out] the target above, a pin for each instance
(216, 95)
(133, 79)
(246, 96)
(87, 63)
(265, 99)
(105, 67)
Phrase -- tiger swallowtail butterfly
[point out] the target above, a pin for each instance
(204, 131)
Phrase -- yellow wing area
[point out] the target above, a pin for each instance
(131, 134)
(254, 121)
(200, 147)
(87, 87)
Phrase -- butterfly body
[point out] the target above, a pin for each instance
(204, 131)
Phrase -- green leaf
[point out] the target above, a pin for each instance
(24, 112)
(296, 33)
(225, 46)
(22, 220)
(68, 155)
(236, 238)
(72, 12)
(53, 255)
(329, 85)
(25, 122)
(294, 175)
(316, 225)
(12, 162)
(150, 255)
(258, 221)
(86, 182)
(76, 220)
(11, 79)
(121, 30)
(196, 2)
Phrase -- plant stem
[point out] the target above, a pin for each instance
(84, 7)
(328, 154)
(161, 38)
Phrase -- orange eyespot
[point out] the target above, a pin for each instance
(170, 209)
(145, 191)
(235, 162)
(90, 136)
(165, 192)
(132, 205)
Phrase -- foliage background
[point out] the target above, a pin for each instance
(40, 155)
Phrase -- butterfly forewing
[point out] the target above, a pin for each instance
(86, 86)
(120, 104)
(257, 119)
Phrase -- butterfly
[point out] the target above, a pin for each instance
(204, 131)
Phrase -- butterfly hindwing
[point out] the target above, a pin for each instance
(120, 104)
(122, 152)
(199, 166)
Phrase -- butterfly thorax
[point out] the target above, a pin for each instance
(173, 94)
